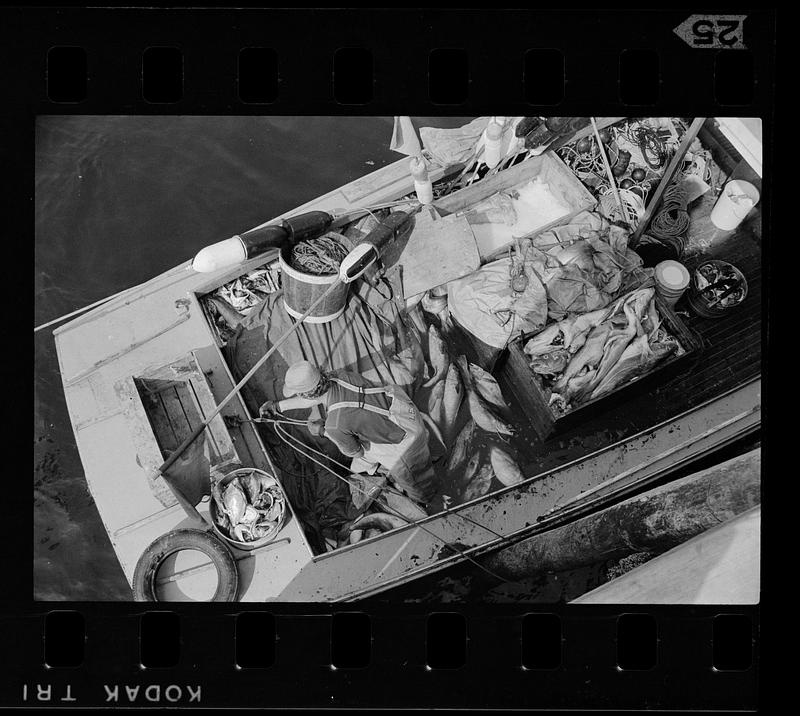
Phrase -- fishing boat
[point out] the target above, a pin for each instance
(152, 365)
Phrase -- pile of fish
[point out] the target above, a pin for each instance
(588, 355)
(479, 453)
(250, 507)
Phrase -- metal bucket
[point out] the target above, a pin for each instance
(301, 289)
(261, 541)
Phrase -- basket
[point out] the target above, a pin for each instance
(705, 303)
(261, 541)
(301, 289)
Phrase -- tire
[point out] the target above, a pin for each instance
(144, 577)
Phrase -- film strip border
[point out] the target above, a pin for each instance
(372, 62)
(700, 657)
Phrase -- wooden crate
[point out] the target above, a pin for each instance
(549, 167)
(526, 392)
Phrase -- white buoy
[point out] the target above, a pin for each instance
(220, 255)
(422, 183)
(493, 144)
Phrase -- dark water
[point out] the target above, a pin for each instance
(121, 199)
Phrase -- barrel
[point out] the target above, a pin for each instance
(671, 278)
(301, 289)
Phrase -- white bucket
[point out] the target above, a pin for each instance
(735, 202)
(672, 279)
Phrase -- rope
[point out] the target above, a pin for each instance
(671, 223)
(321, 256)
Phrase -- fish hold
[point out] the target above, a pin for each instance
(440, 360)
(459, 452)
(488, 387)
(479, 485)
(435, 402)
(452, 397)
(551, 363)
(379, 520)
(481, 413)
(505, 467)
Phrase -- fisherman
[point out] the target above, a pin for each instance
(378, 427)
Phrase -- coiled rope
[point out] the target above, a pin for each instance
(321, 256)
(670, 225)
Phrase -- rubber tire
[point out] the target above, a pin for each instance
(153, 557)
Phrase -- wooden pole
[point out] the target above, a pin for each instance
(611, 178)
(666, 180)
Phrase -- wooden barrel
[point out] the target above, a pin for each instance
(301, 289)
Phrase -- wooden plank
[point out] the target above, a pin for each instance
(438, 250)
(666, 179)
(524, 385)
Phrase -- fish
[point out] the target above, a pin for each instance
(439, 307)
(251, 486)
(374, 532)
(544, 341)
(480, 484)
(459, 452)
(434, 428)
(402, 506)
(652, 320)
(471, 470)
(577, 329)
(551, 363)
(588, 356)
(355, 536)
(379, 520)
(488, 387)
(505, 467)
(435, 402)
(250, 515)
(616, 343)
(634, 362)
(234, 501)
(452, 398)
(440, 360)
(481, 413)
(228, 313)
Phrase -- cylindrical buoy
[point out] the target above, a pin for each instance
(492, 144)
(220, 255)
(422, 183)
(257, 241)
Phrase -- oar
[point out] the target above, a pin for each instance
(187, 506)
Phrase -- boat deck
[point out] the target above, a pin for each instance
(730, 354)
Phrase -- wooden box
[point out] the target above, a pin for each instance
(549, 168)
(527, 395)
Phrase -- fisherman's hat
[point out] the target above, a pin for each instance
(301, 377)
